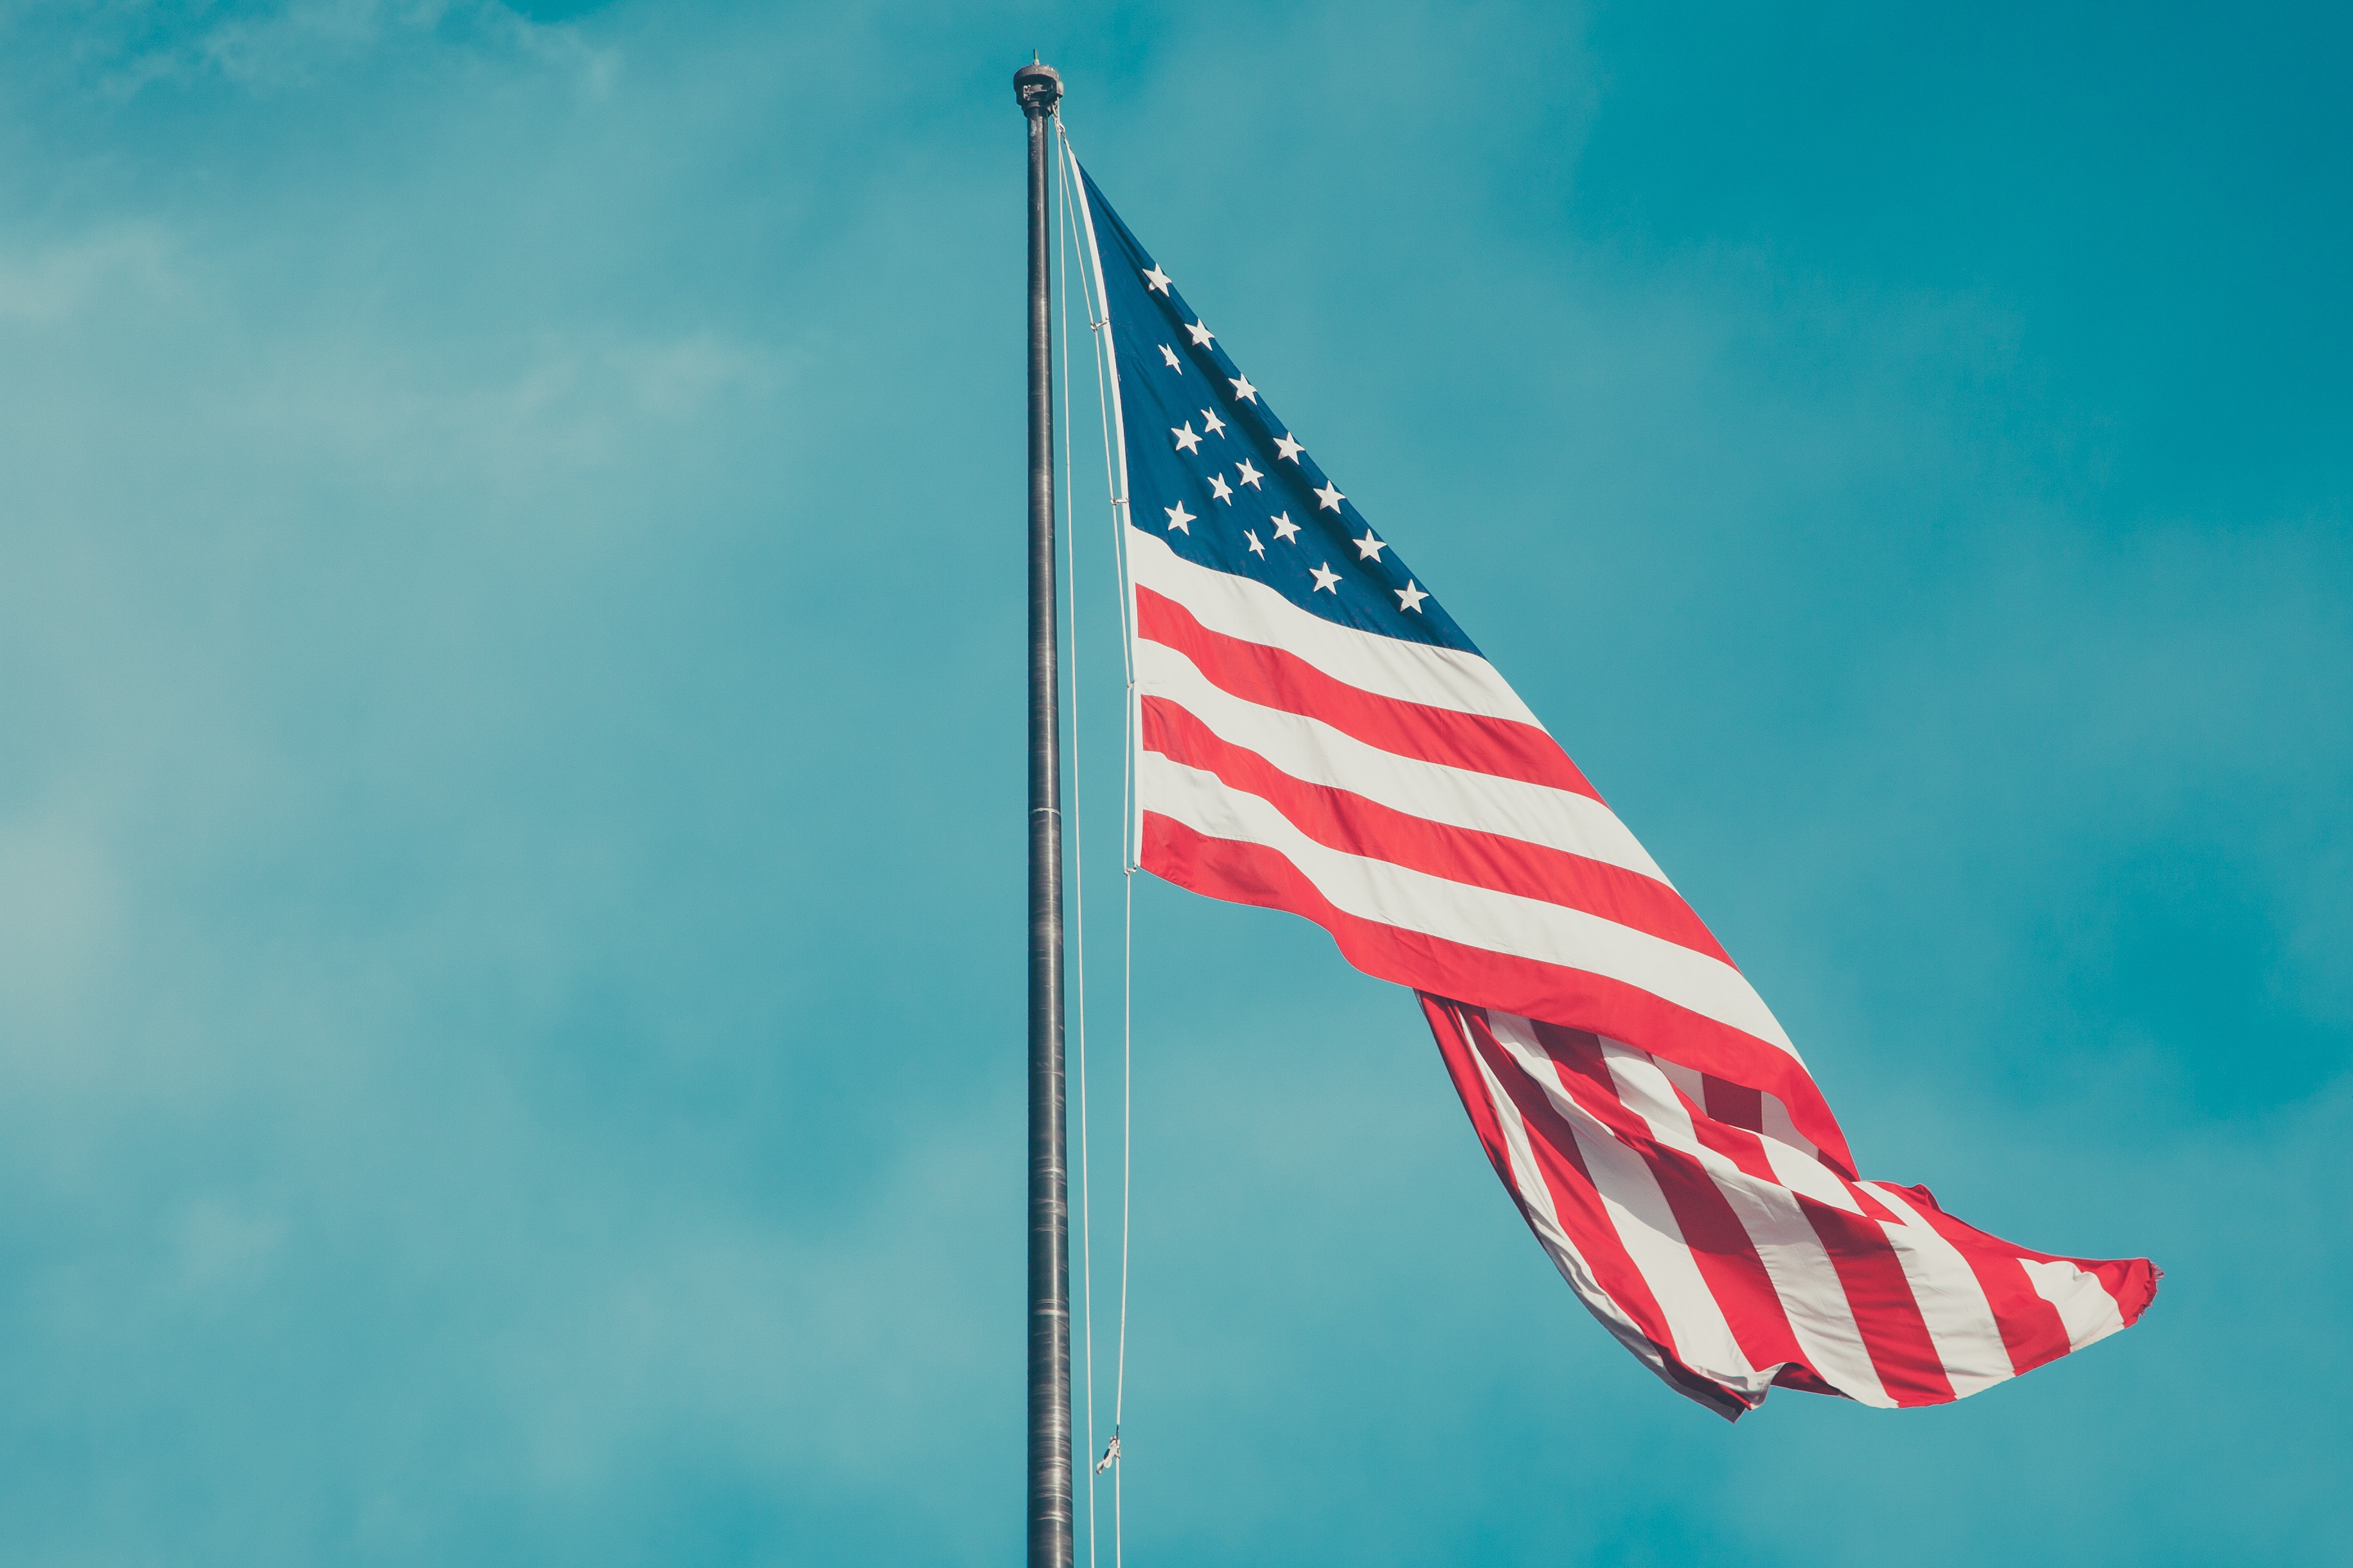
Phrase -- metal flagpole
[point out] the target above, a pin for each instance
(1039, 88)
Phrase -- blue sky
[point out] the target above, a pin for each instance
(511, 832)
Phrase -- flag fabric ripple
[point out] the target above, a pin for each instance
(1315, 734)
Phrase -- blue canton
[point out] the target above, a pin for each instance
(1216, 477)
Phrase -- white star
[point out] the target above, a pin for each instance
(1245, 390)
(1201, 333)
(1212, 425)
(1284, 527)
(1325, 578)
(1409, 597)
(1186, 440)
(1178, 518)
(1330, 496)
(1255, 547)
(1368, 548)
(1284, 447)
(1156, 281)
(1170, 355)
(1219, 489)
(1250, 476)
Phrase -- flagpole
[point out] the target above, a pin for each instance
(1039, 88)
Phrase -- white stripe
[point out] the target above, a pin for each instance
(1693, 1086)
(1802, 1173)
(1779, 1128)
(1386, 666)
(2086, 1308)
(1315, 752)
(1643, 1218)
(1477, 917)
(1951, 1299)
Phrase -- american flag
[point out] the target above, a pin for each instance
(1315, 733)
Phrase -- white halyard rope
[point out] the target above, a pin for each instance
(1062, 250)
(1075, 235)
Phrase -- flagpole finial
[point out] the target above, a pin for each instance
(1039, 88)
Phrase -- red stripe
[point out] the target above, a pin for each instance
(1887, 1314)
(1455, 1050)
(1720, 1245)
(1797, 1374)
(1574, 998)
(1272, 678)
(1735, 1104)
(1352, 824)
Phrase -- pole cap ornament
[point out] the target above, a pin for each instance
(1039, 88)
